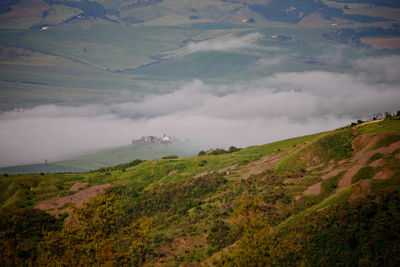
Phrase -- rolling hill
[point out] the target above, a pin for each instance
(109, 157)
(326, 199)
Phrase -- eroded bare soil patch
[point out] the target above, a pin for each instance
(315, 189)
(261, 165)
(384, 174)
(361, 145)
(56, 205)
(77, 186)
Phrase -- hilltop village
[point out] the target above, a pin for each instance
(166, 139)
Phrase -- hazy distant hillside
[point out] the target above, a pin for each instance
(109, 157)
(319, 200)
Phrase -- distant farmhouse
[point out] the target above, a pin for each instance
(166, 139)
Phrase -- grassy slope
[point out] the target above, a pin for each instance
(205, 219)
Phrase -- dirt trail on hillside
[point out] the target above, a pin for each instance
(309, 169)
(201, 174)
(377, 163)
(229, 168)
(77, 186)
(366, 123)
(54, 205)
(332, 173)
(225, 170)
(364, 142)
(261, 165)
(315, 189)
(348, 176)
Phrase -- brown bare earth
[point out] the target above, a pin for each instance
(346, 180)
(365, 141)
(384, 174)
(77, 186)
(315, 189)
(56, 205)
(331, 174)
(361, 145)
(377, 163)
(382, 43)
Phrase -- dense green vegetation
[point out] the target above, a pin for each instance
(20, 232)
(362, 232)
(100, 236)
(119, 166)
(365, 173)
(207, 209)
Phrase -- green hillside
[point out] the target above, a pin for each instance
(327, 199)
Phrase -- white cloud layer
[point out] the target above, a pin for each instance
(247, 113)
(383, 68)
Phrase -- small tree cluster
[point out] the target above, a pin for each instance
(219, 151)
(170, 157)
